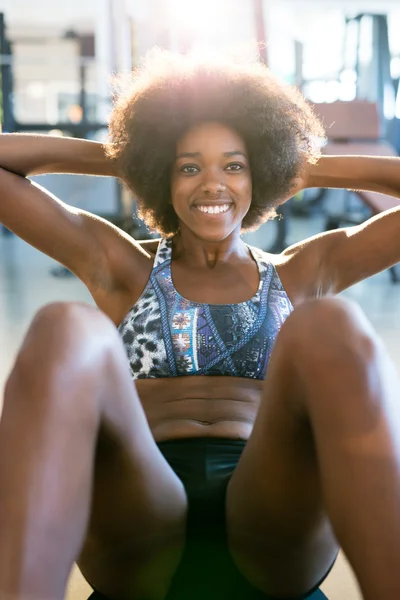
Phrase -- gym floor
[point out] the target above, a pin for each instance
(26, 284)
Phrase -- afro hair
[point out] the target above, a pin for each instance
(170, 93)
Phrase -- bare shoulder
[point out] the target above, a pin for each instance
(301, 268)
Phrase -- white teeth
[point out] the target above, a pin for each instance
(213, 209)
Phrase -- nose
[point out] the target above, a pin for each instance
(213, 187)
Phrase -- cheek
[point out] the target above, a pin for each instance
(247, 190)
(176, 192)
(181, 191)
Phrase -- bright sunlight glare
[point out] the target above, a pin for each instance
(196, 15)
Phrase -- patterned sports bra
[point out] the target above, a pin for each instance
(166, 335)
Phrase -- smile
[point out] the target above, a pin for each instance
(213, 209)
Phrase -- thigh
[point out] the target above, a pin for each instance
(137, 528)
(278, 531)
(137, 524)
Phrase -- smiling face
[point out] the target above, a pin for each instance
(211, 181)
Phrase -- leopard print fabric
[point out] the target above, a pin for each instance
(166, 335)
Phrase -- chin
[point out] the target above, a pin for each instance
(216, 235)
(215, 232)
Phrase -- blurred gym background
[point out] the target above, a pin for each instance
(57, 62)
(57, 65)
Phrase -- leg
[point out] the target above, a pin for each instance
(326, 443)
(79, 469)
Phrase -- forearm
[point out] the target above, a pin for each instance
(371, 173)
(27, 154)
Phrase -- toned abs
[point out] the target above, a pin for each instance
(200, 406)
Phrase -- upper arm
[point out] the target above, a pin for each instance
(82, 242)
(330, 262)
(356, 253)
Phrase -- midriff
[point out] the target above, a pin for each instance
(200, 406)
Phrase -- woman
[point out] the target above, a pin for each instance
(202, 455)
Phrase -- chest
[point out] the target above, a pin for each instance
(168, 335)
(226, 284)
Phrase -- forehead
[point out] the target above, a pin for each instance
(210, 135)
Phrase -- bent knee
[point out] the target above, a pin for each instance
(72, 333)
(78, 315)
(69, 346)
(329, 326)
(70, 321)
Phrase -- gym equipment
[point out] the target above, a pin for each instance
(373, 83)
(354, 128)
(373, 79)
(6, 81)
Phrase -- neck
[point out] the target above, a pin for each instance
(189, 248)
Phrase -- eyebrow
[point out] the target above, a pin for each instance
(198, 154)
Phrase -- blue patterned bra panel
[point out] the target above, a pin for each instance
(166, 335)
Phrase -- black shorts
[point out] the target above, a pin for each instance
(207, 571)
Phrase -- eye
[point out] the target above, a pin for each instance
(234, 167)
(189, 169)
